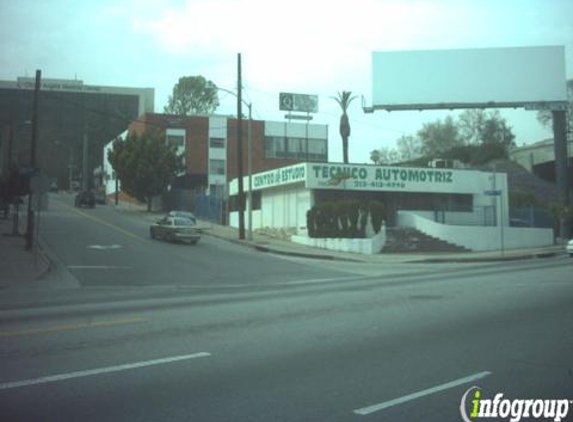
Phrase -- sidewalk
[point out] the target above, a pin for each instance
(265, 243)
(19, 267)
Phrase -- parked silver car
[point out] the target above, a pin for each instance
(569, 248)
(175, 229)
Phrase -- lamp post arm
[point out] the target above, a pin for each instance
(234, 94)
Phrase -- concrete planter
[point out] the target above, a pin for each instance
(369, 246)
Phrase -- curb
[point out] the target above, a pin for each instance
(469, 260)
(539, 255)
(45, 256)
(267, 249)
(302, 254)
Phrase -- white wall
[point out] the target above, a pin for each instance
(281, 207)
(108, 180)
(217, 129)
(370, 246)
(479, 238)
(180, 133)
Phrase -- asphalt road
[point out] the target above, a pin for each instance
(103, 247)
(374, 348)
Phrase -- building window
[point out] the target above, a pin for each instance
(176, 140)
(217, 142)
(275, 147)
(296, 148)
(317, 149)
(217, 167)
(256, 200)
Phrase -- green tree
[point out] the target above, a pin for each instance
(470, 125)
(375, 156)
(495, 130)
(482, 127)
(385, 156)
(409, 147)
(193, 95)
(439, 136)
(344, 99)
(144, 164)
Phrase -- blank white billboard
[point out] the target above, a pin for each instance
(489, 77)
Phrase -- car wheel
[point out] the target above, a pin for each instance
(194, 242)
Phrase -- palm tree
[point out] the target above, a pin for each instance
(344, 99)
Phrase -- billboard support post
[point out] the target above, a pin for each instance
(561, 171)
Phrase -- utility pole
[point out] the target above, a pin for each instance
(71, 166)
(85, 160)
(250, 169)
(116, 195)
(30, 228)
(241, 193)
(10, 143)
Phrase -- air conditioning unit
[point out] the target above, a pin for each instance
(441, 163)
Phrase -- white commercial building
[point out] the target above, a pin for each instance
(465, 207)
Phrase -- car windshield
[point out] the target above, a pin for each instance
(184, 214)
(183, 222)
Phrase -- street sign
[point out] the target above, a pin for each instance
(297, 117)
(492, 192)
(298, 102)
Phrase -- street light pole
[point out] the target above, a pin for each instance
(241, 193)
(250, 169)
(30, 227)
(250, 162)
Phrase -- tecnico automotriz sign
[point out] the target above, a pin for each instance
(376, 178)
(373, 178)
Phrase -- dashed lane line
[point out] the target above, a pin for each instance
(384, 405)
(99, 371)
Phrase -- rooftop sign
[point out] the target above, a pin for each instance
(57, 85)
(298, 102)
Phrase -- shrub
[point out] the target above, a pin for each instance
(377, 214)
(344, 219)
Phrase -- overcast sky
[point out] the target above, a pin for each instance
(302, 46)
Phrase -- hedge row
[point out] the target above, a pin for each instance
(344, 219)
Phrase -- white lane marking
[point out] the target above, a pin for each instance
(98, 267)
(319, 280)
(90, 372)
(380, 406)
(104, 247)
